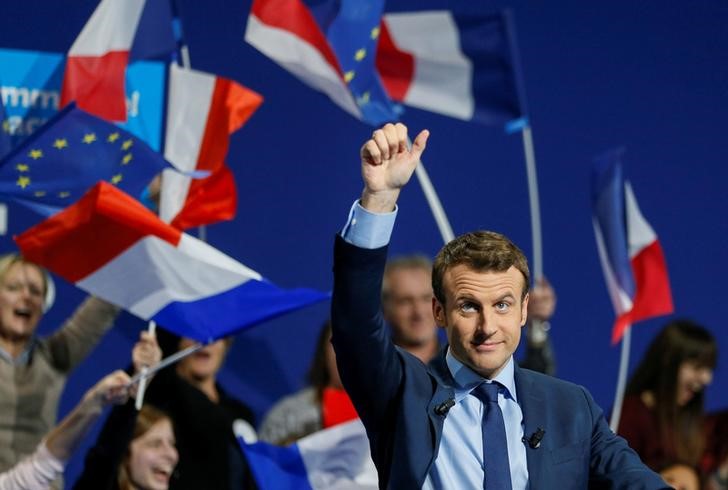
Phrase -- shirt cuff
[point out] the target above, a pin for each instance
(365, 229)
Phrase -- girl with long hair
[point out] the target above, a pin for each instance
(663, 417)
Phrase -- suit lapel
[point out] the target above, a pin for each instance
(443, 393)
(534, 417)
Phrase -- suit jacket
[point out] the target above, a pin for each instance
(398, 399)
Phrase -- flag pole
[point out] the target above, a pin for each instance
(438, 212)
(537, 328)
(184, 53)
(152, 330)
(165, 362)
(621, 380)
(533, 201)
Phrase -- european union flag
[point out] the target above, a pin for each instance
(74, 150)
(352, 29)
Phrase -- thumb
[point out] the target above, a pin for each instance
(418, 147)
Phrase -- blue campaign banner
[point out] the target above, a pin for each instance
(31, 91)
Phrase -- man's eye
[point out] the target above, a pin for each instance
(502, 306)
(468, 307)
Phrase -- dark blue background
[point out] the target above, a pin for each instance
(652, 77)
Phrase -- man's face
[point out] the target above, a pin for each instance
(408, 306)
(483, 315)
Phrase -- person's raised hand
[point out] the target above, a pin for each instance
(387, 163)
(113, 388)
(146, 352)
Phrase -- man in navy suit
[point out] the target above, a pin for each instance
(432, 426)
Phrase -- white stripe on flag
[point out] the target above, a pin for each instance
(302, 59)
(443, 75)
(339, 458)
(620, 299)
(155, 273)
(190, 96)
(111, 27)
(639, 232)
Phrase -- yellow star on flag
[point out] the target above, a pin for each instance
(39, 193)
(116, 179)
(349, 76)
(60, 143)
(6, 125)
(35, 154)
(364, 99)
(89, 138)
(127, 158)
(113, 137)
(64, 194)
(22, 167)
(127, 144)
(23, 181)
(375, 32)
(360, 54)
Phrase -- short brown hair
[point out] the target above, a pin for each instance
(482, 251)
(403, 262)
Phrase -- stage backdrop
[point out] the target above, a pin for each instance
(651, 78)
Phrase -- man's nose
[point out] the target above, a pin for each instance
(487, 322)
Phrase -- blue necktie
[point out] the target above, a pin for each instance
(495, 445)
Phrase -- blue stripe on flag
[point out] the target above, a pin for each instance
(608, 206)
(275, 467)
(218, 316)
(487, 40)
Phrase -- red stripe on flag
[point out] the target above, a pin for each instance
(90, 233)
(231, 106)
(396, 68)
(653, 296)
(294, 16)
(336, 407)
(96, 83)
(209, 200)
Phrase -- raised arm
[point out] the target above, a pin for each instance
(66, 436)
(46, 464)
(70, 344)
(367, 360)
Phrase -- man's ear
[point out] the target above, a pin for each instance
(438, 311)
(524, 310)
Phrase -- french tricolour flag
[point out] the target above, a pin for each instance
(334, 458)
(202, 111)
(462, 64)
(117, 31)
(111, 246)
(632, 259)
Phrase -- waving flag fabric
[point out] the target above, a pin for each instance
(632, 259)
(111, 246)
(459, 64)
(329, 45)
(202, 111)
(333, 458)
(54, 166)
(116, 31)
